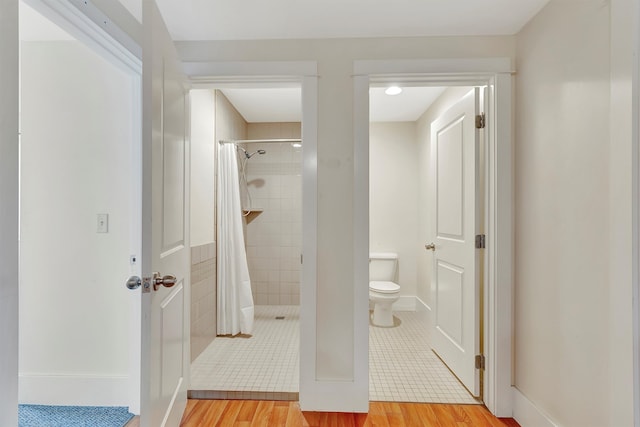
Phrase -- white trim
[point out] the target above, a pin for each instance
(9, 193)
(359, 398)
(84, 21)
(74, 390)
(635, 209)
(135, 249)
(498, 298)
(422, 306)
(405, 303)
(313, 393)
(499, 229)
(309, 239)
(445, 67)
(423, 310)
(233, 72)
(527, 414)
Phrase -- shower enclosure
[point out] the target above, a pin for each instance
(259, 229)
(272, 206)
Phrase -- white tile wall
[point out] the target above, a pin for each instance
(274, 237)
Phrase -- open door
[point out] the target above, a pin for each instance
(165, 227)
(456, 216)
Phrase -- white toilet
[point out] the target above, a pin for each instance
(383, 291)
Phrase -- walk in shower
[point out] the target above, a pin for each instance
(263, 363)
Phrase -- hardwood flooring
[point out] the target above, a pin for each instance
(250, 413)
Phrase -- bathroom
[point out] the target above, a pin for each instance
(399, 158)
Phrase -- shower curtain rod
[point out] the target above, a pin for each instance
(250, 141)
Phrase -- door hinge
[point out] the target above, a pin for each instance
(480, 122)
(480, 241)
(480, 361)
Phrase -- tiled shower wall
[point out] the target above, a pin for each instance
(274, 237)
(203, 297)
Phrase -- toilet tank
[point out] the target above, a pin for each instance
(382, 266)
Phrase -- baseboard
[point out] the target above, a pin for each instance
(423, 310)
(404, 303)
(71, 390)
(527, 414)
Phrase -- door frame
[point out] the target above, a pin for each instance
(113, 35)
(212, 74)
(498, 275)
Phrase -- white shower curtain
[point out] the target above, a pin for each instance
(235, 302)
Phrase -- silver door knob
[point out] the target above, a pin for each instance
(430, 247)
(134, 282)
(166, 281)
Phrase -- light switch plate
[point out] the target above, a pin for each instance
(103, 223)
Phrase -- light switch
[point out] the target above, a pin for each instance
(103, 223)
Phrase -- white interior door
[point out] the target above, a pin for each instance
(455, 214)
(165, 227)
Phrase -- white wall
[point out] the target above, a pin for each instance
(425, 232)
(76, 162)
(203, 150)
(335, 322)
(572, 167)
(394, 192)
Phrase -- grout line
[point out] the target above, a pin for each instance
(402, 365)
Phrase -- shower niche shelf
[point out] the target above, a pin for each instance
(252, 214)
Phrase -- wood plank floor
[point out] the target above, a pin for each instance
(250, 413)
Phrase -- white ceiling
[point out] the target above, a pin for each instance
(278, 19)
(284, 105)
(287, 19)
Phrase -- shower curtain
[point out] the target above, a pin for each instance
(235, 302)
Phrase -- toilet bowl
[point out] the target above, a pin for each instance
(383, 295)
(383, 291)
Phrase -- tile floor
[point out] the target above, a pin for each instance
(266, 365)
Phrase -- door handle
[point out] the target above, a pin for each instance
(166, 281)
(134, 282)
(430, 247)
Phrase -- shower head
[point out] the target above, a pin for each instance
(249, 155)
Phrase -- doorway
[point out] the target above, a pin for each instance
(79, 123)
(264, 126)
(498, 211)
(403, 364)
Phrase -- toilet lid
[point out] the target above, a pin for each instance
(384, 287)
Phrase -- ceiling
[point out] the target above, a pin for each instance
(284, 104)
(286, 19)
(292, 19)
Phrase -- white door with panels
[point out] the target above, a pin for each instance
(165, 228)
(456, 220)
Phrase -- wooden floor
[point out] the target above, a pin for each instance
(248, 413)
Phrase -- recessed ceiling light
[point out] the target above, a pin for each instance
(296, 145)
(393, 90)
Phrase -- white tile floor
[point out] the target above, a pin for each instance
(402, 366)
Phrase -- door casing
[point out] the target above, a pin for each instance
(85, 22)
(498, 274)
